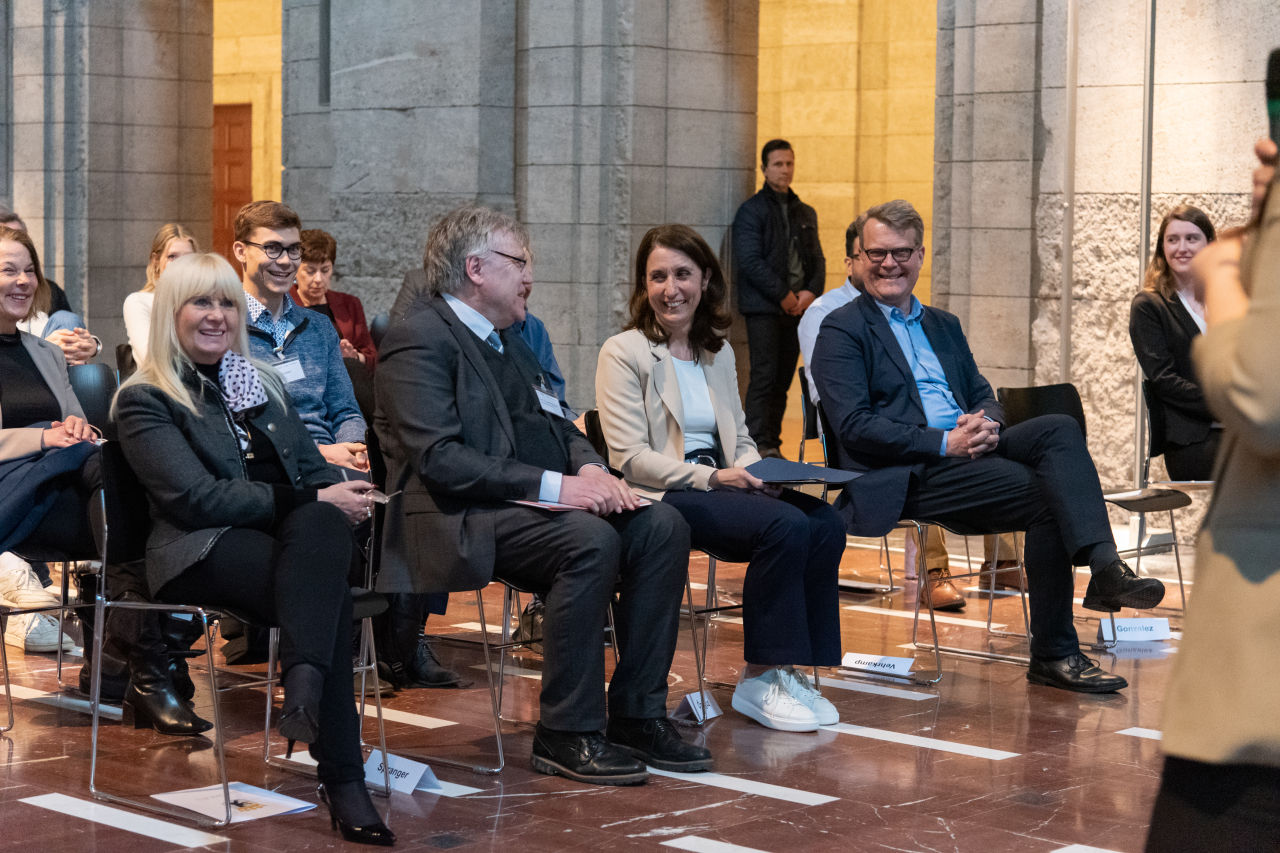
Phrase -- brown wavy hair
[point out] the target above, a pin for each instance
(711, 318)
(1158, 278)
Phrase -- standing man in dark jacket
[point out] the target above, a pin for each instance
(778, 271)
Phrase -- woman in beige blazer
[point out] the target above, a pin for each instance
(1221, 784)
(667, 391)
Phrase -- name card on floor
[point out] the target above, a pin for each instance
(406, 774)
(1135, 630)
(697, 707)
(877, 663)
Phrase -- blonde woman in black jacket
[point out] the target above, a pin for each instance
(247, 514)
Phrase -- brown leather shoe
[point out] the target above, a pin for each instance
(1008, 576)
(943, 593)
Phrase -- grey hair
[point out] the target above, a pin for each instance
(456, 236)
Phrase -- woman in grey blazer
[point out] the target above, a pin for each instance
(48, 458)
(247, 514)
(669, 409)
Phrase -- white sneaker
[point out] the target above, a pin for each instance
(807, 692)
(35, 632)
(768, 699)
(19, 586)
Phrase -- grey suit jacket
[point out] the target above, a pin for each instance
(17, 442)
(1224, 693)
(446, 433)
(642, 415)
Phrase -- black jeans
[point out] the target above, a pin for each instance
(1211, 807)
(774, 348)
(295, 577)
(790, 598)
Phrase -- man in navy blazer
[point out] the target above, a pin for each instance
(469, 426)
(905, 402)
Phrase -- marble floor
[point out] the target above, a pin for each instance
(982, 761)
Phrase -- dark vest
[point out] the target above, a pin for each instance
(537, 441)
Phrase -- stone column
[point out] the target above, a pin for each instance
(983, 226)
(631, 115)
(111, 118)
(590, 120)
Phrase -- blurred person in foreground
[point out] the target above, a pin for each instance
(1221, 784)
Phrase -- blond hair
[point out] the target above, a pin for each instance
(168, 232)
(188, 278)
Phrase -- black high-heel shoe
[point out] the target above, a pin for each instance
(299, 721)
(375, 833)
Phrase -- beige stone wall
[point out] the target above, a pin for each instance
(850, 83)
(246, 70)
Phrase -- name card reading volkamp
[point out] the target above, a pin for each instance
(1135, 630)
(406, 774)
(878, 663)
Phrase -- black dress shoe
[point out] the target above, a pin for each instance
(584, 757)
(657, 743)
(1074, 672)
(1117, 586)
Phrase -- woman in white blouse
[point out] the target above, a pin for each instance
(172, 241)
(667, 390)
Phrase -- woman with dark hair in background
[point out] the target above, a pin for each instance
(1163, 320)
(667, 390)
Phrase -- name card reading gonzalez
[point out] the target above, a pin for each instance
(1136, 630)
(877, 663)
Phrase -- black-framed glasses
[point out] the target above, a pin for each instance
(901, 255)
(275, 250)
(519, 262)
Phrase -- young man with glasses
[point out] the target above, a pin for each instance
(903, 394)
(302, 347)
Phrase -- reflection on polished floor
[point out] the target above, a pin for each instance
(984, 761)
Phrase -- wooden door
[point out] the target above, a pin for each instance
(232, 170)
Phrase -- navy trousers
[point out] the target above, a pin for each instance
(792, 546)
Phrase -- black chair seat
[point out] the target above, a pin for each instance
(1151, 500)
(365, 603)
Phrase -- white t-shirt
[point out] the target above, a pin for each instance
(695, 397)
(137, 321)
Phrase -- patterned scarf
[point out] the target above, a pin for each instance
(241, 385)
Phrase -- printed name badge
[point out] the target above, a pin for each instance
(290, 370)
(550, 404)
(1135, 630)
(877, 663)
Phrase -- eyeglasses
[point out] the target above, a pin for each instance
(275, 250)
(901, 255)
(519, 262)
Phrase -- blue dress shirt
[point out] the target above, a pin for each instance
(940, 408)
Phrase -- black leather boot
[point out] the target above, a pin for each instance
(115, 667)
(151, 700)
(179, 635)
